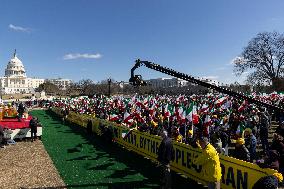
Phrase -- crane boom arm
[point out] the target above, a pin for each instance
(191, 79)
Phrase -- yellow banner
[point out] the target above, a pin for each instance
(236, 174)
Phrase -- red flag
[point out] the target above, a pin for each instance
(243, 106)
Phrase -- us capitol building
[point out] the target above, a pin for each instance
(15, 79)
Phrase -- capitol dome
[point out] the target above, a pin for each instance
(15, 68)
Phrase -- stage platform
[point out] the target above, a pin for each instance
(19, 130)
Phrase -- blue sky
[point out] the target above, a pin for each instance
(91, 39)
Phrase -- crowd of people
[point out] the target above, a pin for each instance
(224, 120)
(213, 122)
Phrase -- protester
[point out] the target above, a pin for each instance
(209, 160)
(220, 117)
(21, 110)
(271, 160)
(250, 143)
(263, 131)
(165, 155)
(33, 125)
(280, 129)
(1, 137)
(241, 152)
(176, 135)
(278, 145)
(64, 113)
(269, 182)
(191, 139)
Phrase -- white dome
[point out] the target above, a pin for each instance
(15, 61)
(15, 68)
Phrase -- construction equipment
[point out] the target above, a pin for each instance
(136, 80)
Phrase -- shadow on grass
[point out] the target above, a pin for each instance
(135, 163)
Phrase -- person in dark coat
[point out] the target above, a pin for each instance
(21, 110)
(241, 152)
(250, 143)
(65, 113)
(280, 129)
(33, 125)
(165, 155)
(271, 160)
(278, 145)
(1, 137)
(263, 131)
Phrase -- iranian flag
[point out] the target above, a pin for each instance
(145, 102)
(180, 113)
(204, 108)
(207, 121)
(191, 114)
(152, 110)
(206, 124)
(243, 106)
(220, 101)
(140, 104)
(167, 111)
(227, 105)
(113, 117)
(127, 118)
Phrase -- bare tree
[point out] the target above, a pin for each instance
(263, 57)
(48, 87)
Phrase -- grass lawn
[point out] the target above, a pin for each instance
(87, 161)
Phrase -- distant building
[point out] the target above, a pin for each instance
(15, 79)
(61, 83)
(167, 82)
(210, 81)
(176, 82)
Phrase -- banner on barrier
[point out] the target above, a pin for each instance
(236, 174)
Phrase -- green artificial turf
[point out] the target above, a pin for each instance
(87, 161)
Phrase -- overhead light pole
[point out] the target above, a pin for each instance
(109, 83)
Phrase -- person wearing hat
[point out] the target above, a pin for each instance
(241, 152)
(176, 134)
(209, 160)
(269, 182)
(191, 140)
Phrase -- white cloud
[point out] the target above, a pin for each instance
(211, 77)
(82, 56)
(244, 73)
(19, 28)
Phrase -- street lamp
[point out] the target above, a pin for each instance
(109, 83)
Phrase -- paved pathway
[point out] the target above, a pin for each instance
(27, 165)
